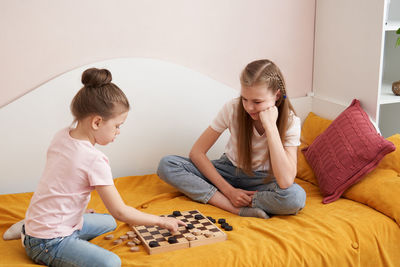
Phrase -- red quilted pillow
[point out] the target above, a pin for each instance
(345, 152)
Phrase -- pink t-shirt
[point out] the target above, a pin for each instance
(73, 168)
(227, 119)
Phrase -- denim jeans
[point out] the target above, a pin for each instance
(75, 250)
(181, 173)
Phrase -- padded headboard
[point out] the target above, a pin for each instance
(171, 106)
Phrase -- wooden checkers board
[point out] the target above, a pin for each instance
(203, 225)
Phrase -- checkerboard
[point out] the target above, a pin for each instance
(155, 233)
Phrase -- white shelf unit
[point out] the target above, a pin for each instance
(387, 96)
(392, 25)
(355, 57)
(389, 103)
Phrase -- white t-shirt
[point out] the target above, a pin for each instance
(73, 169)
(227, 119)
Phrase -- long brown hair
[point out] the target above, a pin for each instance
(256, 73)
(98, 96)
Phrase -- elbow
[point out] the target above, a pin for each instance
(284, 185)
(119, 215)
(194, 154)
(286, 182)
(191, 154)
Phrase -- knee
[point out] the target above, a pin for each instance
(112, 261)
(110, 222)
(293, 198)
(167, 165)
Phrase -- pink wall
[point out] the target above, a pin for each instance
(44, 38)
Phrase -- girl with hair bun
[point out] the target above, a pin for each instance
(56, 228)
(255, 175)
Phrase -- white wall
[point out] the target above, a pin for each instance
(168, 114)
(171, 106)
(41, 39)
(347, 52)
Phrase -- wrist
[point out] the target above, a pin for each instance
(271, 129)
(227, 190)
(159, 221)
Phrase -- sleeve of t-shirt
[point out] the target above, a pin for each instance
(292, 137)
(100, 172)
(221, 121)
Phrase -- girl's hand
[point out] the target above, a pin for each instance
(240, 198)
(269, 116)
(170, 223)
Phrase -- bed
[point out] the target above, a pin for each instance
(359, 229)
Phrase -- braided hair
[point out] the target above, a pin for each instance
(255, 73)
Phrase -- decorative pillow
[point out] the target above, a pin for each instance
(392, 160)
(345, 152)
(313, 126)
(380, 190)
(304, 171)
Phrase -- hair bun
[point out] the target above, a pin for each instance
(95, 77)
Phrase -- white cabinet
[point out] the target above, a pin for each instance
(389, 103)
(355, 57)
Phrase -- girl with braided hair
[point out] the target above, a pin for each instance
(255, 176)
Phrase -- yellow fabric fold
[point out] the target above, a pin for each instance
(392, 160)
(380, 189)
(304, 170)
(343, 233)
(313, 126)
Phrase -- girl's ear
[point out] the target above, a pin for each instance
(278, 95)
(96, 122)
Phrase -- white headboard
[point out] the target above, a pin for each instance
(171, 106)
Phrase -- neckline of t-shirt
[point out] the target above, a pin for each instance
(77, 140)
(257, 133)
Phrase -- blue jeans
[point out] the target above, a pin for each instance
(181, 173)
(75, 250)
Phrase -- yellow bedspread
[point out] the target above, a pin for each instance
(343, 233)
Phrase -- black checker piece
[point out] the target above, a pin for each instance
(153, 244)
(177, 213)
(199, 217)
